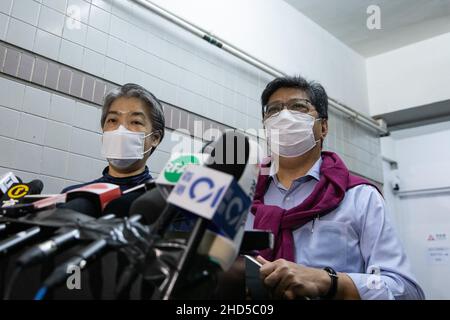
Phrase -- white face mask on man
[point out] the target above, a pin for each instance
(122, 147)
(290, 133)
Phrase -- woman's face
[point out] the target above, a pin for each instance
(134, 116)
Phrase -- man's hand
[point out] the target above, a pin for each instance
(288, 280)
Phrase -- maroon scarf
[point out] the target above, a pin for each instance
(328, 193)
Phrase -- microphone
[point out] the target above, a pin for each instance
(220, 195)
(217, 157)
(43, 221)
(103, 198)
(18, 191)
(6, 181)
(38, 253)
(48, 248)
(121, 206)
(150, 205)
(256, 240)
(88, 206)
(175, 167)
(18, 238)
(100, 194)
(90, 200)
(27, 207)
(240, 158)
(79, 260)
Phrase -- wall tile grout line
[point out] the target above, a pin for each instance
(95, 79)
(47, 175)
(211, 79)
(193, 80)
(50, 147)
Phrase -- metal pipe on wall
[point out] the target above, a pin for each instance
(424, 192)
(219, 43)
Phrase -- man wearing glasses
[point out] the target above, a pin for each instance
(333, 239)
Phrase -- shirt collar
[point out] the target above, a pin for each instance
(314, 172)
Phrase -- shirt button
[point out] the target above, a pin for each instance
(288, 198)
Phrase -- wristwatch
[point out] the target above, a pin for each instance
(334, 283)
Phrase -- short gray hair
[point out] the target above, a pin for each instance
(131, 90)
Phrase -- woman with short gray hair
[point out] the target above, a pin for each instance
(133, 126)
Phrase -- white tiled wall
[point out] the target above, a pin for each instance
(56, 138)
(39, 137)
(122, 42)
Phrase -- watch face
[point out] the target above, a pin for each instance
(333, 286)
(330, 271)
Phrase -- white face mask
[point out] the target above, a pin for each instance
(290, 133)
(123, 147)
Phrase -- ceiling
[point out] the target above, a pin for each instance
(403, 22)
(418, 116)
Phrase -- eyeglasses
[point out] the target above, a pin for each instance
(297, 105)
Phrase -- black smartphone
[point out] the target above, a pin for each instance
(253, 282)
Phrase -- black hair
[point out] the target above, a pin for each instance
(314, 90)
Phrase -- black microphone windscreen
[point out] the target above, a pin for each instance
(256, 240)
(82, 205)
(230, 153)
(150, 205)
(120, 207)
(18, 191)
(36, 186)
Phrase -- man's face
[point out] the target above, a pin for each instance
(133, 115)
(285, 95)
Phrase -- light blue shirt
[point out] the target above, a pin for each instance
(356, 238)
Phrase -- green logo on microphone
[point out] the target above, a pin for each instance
(175, 168)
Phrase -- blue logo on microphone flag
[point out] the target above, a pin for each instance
(232, 210)
(213, 195)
